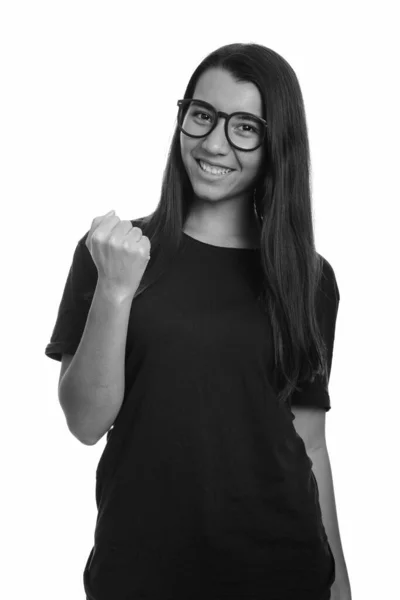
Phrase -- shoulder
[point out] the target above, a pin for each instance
(328, 286)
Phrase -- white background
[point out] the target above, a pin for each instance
(80, 83)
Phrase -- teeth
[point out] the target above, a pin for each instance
(213, 170)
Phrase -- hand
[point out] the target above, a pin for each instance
(120, 252)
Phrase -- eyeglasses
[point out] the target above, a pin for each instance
(244, 131)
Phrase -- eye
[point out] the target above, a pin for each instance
(246, 125)
(251, 127)
(197, 113)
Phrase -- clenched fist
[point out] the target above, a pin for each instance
(120, 252)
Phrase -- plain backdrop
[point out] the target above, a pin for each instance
(87, 112)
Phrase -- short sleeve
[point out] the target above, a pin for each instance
(316, 393)
(75, 303)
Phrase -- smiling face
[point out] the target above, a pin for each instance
(219, 88)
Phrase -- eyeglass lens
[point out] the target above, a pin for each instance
(243, 130)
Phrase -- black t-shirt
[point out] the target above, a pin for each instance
(204, 489)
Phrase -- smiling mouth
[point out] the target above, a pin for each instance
(224, 174)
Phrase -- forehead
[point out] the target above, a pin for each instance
(219, 88)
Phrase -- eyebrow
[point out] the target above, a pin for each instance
(234, 111)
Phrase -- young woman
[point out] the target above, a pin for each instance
(200, 339)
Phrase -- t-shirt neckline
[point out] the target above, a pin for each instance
(219, 248)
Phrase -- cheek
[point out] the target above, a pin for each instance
(250, 169)
(254, 167)
(186, 150)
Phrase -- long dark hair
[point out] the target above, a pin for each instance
(291, 266)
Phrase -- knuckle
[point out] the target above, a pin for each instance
(97, 236)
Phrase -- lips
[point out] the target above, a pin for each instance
(212, 176)
(212, 165)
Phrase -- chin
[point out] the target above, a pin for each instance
(207, 194)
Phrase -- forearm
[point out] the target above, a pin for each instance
(92, 389)
(323, 474)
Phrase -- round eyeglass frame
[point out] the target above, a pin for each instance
(219, 113)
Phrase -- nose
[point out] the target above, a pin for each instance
(216, 142)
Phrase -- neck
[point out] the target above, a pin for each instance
(225, 223)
